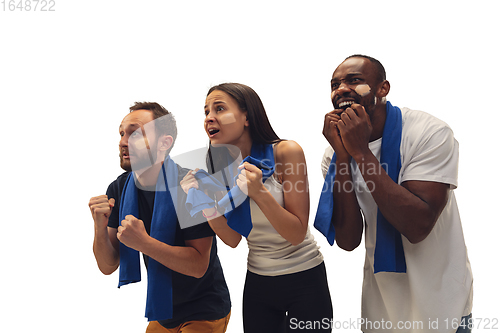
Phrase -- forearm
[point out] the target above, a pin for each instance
(223, 231)
(347, 218)
(186, 260)
(411, 215)
(105, 252)
(289, 226)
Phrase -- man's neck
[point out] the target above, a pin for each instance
(378, 122)
(148, 177)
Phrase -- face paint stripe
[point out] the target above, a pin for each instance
(226, 119)
(362, 90)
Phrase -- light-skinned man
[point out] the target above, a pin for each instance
(142, 212)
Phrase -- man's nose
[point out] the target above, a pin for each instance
(123, 141)
(343, 87)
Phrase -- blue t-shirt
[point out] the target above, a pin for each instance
(206, 298)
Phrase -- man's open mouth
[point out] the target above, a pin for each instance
(346, 104)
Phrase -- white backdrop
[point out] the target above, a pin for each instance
(67, 78)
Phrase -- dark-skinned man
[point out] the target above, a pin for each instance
(392, 172)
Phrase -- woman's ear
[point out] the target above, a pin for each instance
(247, 122)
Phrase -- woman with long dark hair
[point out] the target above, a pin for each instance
(286, 286)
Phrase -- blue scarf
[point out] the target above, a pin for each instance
(389, 253)
(163, 227)
(235, 203)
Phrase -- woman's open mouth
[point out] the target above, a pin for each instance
(212, 131)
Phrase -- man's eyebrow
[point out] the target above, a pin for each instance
(348, 76)
(132, 126)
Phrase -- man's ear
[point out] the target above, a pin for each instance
(383, 89)
(165, 142)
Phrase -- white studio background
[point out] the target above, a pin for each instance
(67, 78)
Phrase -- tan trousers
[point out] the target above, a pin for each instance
(196, 326)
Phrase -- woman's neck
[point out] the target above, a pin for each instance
(243, 147)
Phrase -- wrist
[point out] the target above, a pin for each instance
(343, 159)
(362, 156)
(210, 213)
(100, 230)
(366, 162)
(260, 195)
(147, 247)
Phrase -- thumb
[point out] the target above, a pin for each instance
(111, 202)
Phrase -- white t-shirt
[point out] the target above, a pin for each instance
(437, 287)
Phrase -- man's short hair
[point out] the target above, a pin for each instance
(164, 120)
(380, 70)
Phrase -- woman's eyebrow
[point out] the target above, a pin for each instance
(216, 103)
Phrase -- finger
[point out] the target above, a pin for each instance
(130, 218)
(334, 112)
(356, 109)
(243, 173)
(112, 202)
(330, 118)
(360, 111)
(342, 123)
(350, 112)
(331, 122)
(186, 187)
(187, 180)
(119, 232)
(338, 112)
(98, 199)
(99, 207)
(188, 177)
(250, 167)
(348, 116)
(101, 211)
(241, 178)
(242, 185)
(134, 220)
